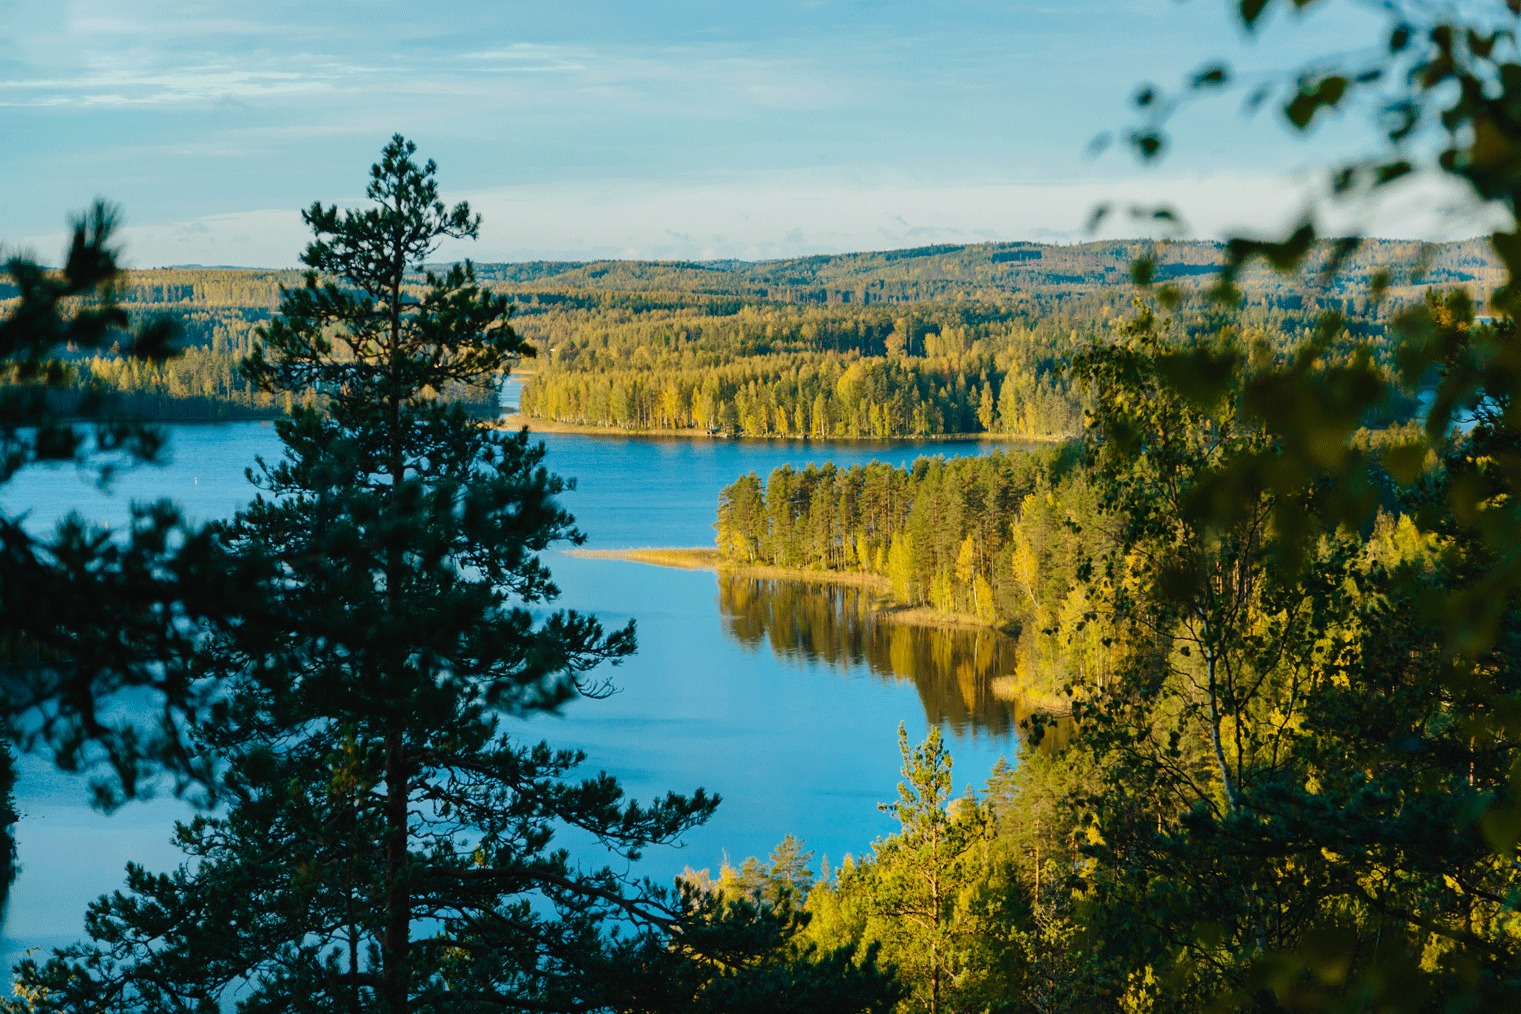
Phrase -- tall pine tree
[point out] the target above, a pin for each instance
(388, 848)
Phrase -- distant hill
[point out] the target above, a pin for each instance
(995, 272)
(983, 272)
(918, 342)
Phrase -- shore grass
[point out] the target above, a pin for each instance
(700, 558)
(711, 559)
(518, 421)
(684, 559)
(1008, 688)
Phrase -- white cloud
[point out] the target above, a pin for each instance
(621, 126)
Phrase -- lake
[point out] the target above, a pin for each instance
(784, 699)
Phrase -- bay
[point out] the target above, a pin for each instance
(783, 699)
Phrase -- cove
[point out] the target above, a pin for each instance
(785, 703)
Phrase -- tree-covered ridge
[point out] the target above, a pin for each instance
(918, 369)
(990, 272)
(644, 345)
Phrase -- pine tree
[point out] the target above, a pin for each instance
(88, 615)
(923, 879)
(388, 848)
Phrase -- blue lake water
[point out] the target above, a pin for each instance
(793, 723)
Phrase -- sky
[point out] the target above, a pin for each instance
(684, 129)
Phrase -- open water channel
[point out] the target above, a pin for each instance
(784, 699)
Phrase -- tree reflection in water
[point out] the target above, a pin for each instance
(960, 673)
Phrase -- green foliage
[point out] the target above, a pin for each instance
(50, 311)
(1292, 773)
(1290, 784)
(88, 616)
(757, 348)
(1446, 659)
(915, 370)
(940, 897)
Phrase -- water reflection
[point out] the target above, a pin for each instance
(962, 675)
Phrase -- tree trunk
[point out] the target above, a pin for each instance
(1214, 739)
(396, 978)
(349, 914)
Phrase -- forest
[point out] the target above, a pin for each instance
(643, 346)
(1260, 795)
(998, 539)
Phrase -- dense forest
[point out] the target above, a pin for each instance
(919, 342)
(910, 370)
(1261, 797)
(1000, 539)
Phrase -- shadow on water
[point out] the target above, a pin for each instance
(962, 675)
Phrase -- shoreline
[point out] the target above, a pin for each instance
(701, 558)
(517, 420)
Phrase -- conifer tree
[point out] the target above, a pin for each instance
(923, 883)
(388, 848)
(86, 614)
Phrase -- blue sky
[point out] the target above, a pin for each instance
(588, 128)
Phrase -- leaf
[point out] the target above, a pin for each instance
(1211, 76)
(1405, 461)
(1251, 10)
(1148, 143)
(1209, 934)
(1285, 255)
(1343, 248)
(1400, 37)
(1099, 144)
(1508, 246)
(1327, 953)
(1096, 217)
(1491, 146)
(1201, 375)
(1502, 826)
(1390, 172)
(1145, 96)
(1160, 213)
(1480, 45)
(1141, 270)
(1312, 95)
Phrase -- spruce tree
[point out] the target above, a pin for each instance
(387, 847)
